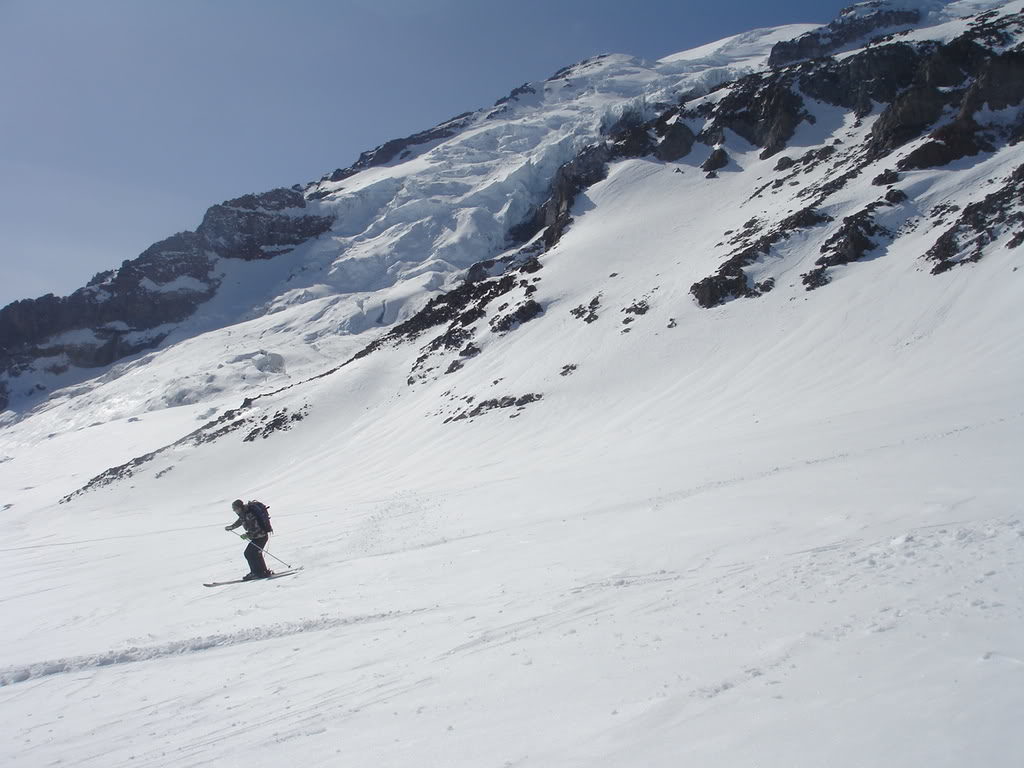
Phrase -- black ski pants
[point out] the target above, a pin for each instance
(254, 556)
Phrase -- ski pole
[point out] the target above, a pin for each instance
(261, 549)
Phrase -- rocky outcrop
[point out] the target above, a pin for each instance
(730, 281)
(675, 139)
(396, 148)
(717, 160)
(916, 82)
(122, 312)
(910, 114)
(855, 237)
(552, 216)
(998, 85)
(255, 227)
(952, 141)
(982, 223)
(764, 110)
(524, 313)
(874, 75)
(508, 401)
(855, 23)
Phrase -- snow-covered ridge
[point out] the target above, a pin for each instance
(863, 22)
(401, 222)
(400, 225)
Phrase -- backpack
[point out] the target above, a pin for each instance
(261, 512)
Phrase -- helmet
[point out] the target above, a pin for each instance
(238, 505)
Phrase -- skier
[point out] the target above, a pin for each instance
(256, 520)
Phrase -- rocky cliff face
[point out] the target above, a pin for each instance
(856, 23)
(947, 91)
(964, 95)
(134, 307)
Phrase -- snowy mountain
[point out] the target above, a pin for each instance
(660, 413)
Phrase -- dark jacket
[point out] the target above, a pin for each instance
(255, 519)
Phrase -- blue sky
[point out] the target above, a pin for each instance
(121, 121)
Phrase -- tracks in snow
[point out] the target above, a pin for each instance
(134, 654)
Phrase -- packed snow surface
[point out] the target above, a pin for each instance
(784, 532)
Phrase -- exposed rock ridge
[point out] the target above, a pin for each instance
(730, 281)
(389, 150)
(954, 90)
(859, 234)
(124, 311)
(855, 23)
(1000, 214)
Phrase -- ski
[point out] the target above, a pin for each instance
(277, 575)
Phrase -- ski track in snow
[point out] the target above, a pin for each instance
(135, 654)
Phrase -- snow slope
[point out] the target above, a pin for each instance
(784, 531)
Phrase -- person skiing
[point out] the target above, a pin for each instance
(254, 517)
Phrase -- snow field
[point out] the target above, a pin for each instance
(786, 531)
(799, 546)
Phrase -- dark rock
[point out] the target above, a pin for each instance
(587, 314)
(981, 224)
(784, 163)
(251, 227)
(763, 110)
(565, 72)
(340, 174)
(587, 168)
(896, 196)
(717, 160)
(731, 282)
(886, 177)
(100, 277)
(141, 295)
(524, 260)
(676, 143)
(1000, 84)
(815, 278)
(525, 312)
(639, 307)
(389, 150)
(906, 118)
(522, 90)
(849, 243)
(275, 200)
(873, 75)
(466, 301)
(950, 142)
(852, 25)
(728, 283)
(632, 141)
(507, 401)
(281, 421)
